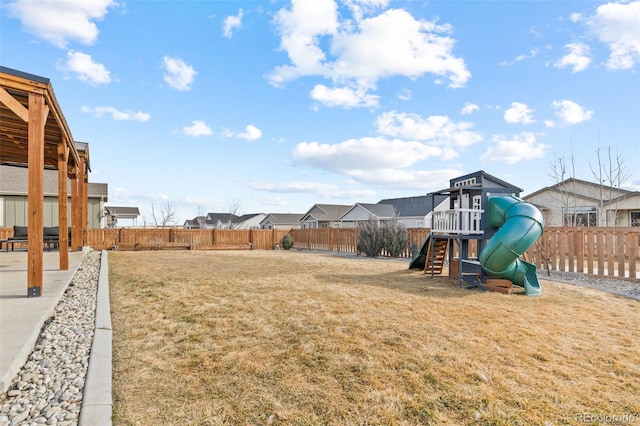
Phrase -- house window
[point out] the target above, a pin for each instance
(634, 218)
(580, 216)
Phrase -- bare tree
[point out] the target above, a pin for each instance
(235, 209)
(561, 174)
(610, 172)
(201, 218)
(546, 248)
(165, 216)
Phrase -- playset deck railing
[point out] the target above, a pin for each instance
(457, 221)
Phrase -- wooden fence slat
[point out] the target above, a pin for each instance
(590, 251)
(610, 250)
(632, 253)
(571, 254)
(620, 237)
(600, 250)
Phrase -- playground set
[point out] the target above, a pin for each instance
(485, 231)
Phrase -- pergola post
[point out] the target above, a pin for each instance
(84, 198)
(63, 217)
(35, 203)
(76, 219)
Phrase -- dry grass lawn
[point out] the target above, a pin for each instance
(282, 337)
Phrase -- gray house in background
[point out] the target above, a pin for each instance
(322, 216)
(250, 221)
(416, 212)
(575, 202)
(281, 221)
(13, 198)
(361, 212)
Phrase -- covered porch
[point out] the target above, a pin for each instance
(34, 132)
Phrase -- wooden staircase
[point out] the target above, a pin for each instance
(436, 254)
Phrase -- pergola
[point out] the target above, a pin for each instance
(33, 131)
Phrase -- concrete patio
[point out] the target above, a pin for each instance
(21, 318)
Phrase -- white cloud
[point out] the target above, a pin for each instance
(116, 114)
(232, 22)
(423, 180)
(85, 69)
(575, 17)
(362, 50)
(300, 29)
(618, 26)
(512, 150)
(469, 108)
(570, 112)
(522, 57)
(198, 128)
(60, 22)
(438, 130)
(323, 190)
(251, 133)
(344, 97)
(178, 75)
(578, 58)
(518, 113)
(405, 95)
(370, 153)
(272, 200)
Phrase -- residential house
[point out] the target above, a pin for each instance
(113, 213)
(195, 223)
(323, 216)
(250, 221)
(220, 221)
(575, 202)
(361, 212)
(281, 221)
(416, 212)
(13, 198)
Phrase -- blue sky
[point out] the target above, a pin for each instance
(275, 106)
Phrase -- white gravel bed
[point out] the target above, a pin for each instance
(49, 388)
(627, 288)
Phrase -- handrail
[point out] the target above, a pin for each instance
(457, 221)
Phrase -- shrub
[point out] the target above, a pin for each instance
(286, 242)
(395, 237)
(370, 238)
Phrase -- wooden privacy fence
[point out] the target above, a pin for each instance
(346, 240)
(196, 239)
(597, 251)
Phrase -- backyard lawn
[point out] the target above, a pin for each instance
(292, 338)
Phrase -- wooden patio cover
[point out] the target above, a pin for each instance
(34, 132)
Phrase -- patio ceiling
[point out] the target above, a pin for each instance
(15, 88)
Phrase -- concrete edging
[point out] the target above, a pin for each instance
(97, 400)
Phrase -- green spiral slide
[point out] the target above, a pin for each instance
(520, 226)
